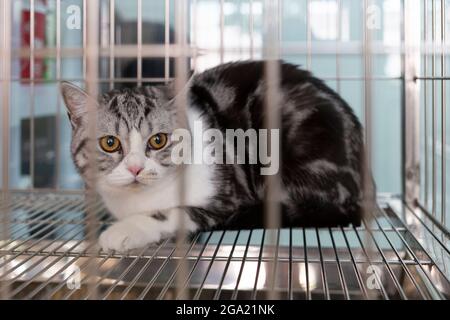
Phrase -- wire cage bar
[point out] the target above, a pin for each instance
(48, 247)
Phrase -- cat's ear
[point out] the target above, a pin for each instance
(76, 101)
(164, 92)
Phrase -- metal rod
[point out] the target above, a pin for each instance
(49, 244)
(89, 265)
(50, 294)
(272, 119)
(163, 292)
(308, 36)
(199, 290)
(58, 100)
(197, 260)
(38, 233)
(272, 279)
(370, 261)
(411, 252)
(225, 270)
(48, 266)
(258, 268)
(323, 273)
(241, 269)
(112, 40)
(139, 42)
(26, 226)
(443, 121)
(305, 250)
(367, 87)
(143, 269)
(290, 291)
(166, 41)
(405, 268)
(5, 58)
(222, 27)
(125, 272)
(149, 285)
(425, 95)
(32, 90)
(355, 266)
(251, 29)
(92, 13)
(433, 109)
(340, 271)
(390, 271)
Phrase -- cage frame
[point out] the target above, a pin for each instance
(411, 51)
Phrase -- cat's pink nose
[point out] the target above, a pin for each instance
(135, 170)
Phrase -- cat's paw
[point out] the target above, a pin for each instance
(126, 235)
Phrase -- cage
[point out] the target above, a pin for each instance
(387, 58)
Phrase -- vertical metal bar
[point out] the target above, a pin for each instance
(339, 266)
(308, 35)
(272, 212)
(208, 269)
(58, 100)
(290, 293)
(139, 42)
(222, 27)
(411, 104)
(405, 267)
(338, 39)
(258, 268)
(355, 266)
(433, 108)
(112, 35)
(166, 40)
(227, 265)
(443, 118)
(166, 287)
(425, 102)
(6, 77)
(32, 88)
(194, 36)
(180, 102)
(5, 58)
(367, 85)
(91, 11)
(251, 28)
(305, 250)
(196, 262)
(323, 273)
(84, 38)
(234, 295)
(371, 263)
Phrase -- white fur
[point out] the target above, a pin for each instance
(140, 230)
(133, 204)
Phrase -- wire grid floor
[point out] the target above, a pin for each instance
(391, 256)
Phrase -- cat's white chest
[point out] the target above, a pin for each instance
(162, 196)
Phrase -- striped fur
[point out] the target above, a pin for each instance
(322, 169)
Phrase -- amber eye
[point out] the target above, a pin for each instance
(157, 141)
(109, 144)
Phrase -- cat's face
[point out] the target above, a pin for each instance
(133, 136)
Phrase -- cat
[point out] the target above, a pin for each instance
(322, 170)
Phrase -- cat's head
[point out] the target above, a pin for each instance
(133, 135)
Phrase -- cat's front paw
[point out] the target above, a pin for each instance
(125, 235)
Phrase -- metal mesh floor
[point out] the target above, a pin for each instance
(397, 254)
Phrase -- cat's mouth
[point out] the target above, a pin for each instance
(140, 182)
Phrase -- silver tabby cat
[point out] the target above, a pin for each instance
(322, 170)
